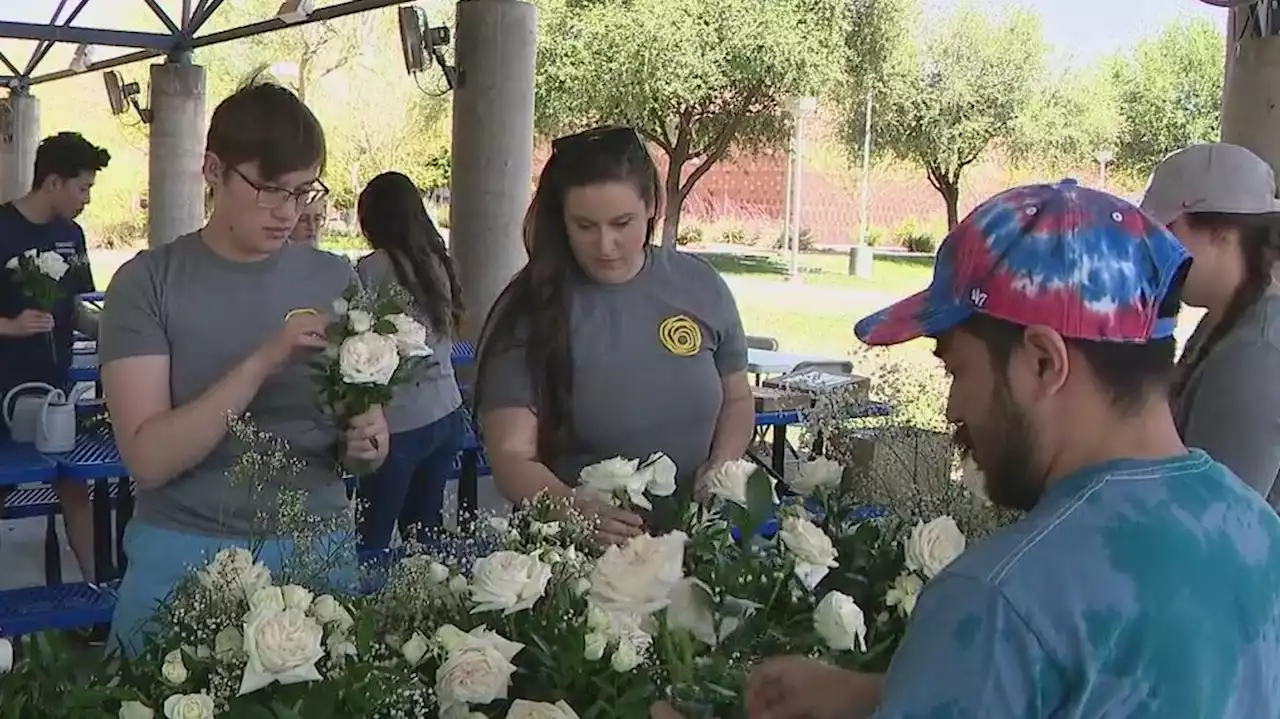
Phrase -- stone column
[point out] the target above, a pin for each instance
(1251, 91)
(492, 147)
(19, 137)
(175, 184)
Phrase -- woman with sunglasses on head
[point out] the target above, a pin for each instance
(425, 416)
(1220, 201)
(605, 346)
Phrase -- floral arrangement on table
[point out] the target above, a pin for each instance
(374, 342)
(524, 617)
(39, 274)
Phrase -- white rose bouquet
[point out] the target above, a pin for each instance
(39, 274)
(373, 344)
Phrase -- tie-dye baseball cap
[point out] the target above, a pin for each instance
(1087, 264)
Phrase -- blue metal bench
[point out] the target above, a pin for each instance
(56, 607)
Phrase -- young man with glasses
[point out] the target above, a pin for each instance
(203, 328)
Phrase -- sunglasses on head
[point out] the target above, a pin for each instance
(612, 138)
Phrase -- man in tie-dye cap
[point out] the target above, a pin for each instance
(1144, 580)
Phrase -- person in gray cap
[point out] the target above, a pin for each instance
(1220, 201)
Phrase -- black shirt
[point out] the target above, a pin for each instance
(35, 358)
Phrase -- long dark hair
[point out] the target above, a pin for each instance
(533, 310)
(394, 220)
(1260, 250)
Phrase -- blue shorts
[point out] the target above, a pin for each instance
(160, 558)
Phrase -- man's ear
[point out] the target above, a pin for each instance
(213, 168)
(1047, 361)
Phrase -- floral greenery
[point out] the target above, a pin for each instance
(511, 615)
(39, 275)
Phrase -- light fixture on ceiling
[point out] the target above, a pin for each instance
(82, 57)
(292, 11)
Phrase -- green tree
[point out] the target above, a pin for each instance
(945, 98)
(1170, 93)
(697, 79)
(1065, 126)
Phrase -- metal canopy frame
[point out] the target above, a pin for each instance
(176, 45)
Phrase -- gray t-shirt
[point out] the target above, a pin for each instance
(208, 313)
(648, 359)
(431, 392)
(1230, 405)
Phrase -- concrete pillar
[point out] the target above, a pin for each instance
(175, 183)
(495, 42)
(1251, 91)
(19, 137)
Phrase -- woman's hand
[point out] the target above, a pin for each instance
(804, 688)
(611, 524)
(367, 437)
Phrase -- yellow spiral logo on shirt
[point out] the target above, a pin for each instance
(680, 335)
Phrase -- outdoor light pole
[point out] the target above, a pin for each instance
(801, 108)
(861, 256)
(1104, 158)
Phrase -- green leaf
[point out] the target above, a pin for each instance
(760, 500)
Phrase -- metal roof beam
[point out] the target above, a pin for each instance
(5, 61)
(85, 35)
(163, 16)
(330, 12)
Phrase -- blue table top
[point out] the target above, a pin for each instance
(21, 463)
(94, 457)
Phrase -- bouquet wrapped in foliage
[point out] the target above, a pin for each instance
(39, 275)
(374, 342)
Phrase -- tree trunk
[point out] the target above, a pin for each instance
(950, 191)
(673, 199)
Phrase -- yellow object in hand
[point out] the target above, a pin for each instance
(300, 311)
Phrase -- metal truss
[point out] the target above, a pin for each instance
(182, 38)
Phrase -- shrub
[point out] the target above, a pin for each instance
(806, 241)
(690, 234)
(914, 236)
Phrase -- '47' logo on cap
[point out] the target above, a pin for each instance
(979, 297)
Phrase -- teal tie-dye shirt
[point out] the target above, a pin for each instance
(1134, 590)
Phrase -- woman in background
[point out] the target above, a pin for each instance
(1220, 201)
(425, 417)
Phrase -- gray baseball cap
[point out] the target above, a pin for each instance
(1213, 177)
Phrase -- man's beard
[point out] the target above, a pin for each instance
(1009, 470)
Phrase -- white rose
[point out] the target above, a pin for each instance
(31, 253)
(52, 264)
(12, 264)
(328, 611)
(134, 710)
(173, 670)
(235, 568)
(254, 577)
(729, 481)
(6, 656)
(617, 476)
(437, 573)
(476, 674)
(457, 584)
(817, 474)
(660, 475)
(267, 600)
(296, 597)
(228, 644)
(594, 646)
(508, 582)
(340, 648)
(812, 550)
(545, 529)
(524, 709)
(630, 652)
(931, 547)
(581, 586)
(282, 647)
(415, 649)
(638, 577)
(339, 307)
(501, 525)
(368, 358)
(840, 623)
(359, 321)
(904, 592)
(189, 706)
(410, 336)
(692, 611)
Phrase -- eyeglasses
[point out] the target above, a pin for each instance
(610, 138)
(273, 197)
